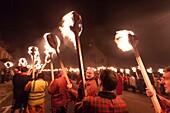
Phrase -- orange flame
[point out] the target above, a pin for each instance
(37, 62)
(67, 22)
(36, 52)
(121, 70)
(160, 70)
(127, 71)
(8, 64)
(122, 40)
(48, 48)
(149, 70)
(134, 69)
(47, 58)
(22, 62)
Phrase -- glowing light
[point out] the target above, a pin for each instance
(48, 48)
(33, 52)
(121, 70)
(134, 69)
(160, 70)
(122, 40)
(8, 64)
(127, 71)
(67, 22)
(22, 62)
(149, 70)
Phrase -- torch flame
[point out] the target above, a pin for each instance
(122, 40)
(121, 70)
(22, 62)
(149, 70)
(160, 70)
(134, 69)
(47, 58)
(48, 48)
(8, 64)
(127, 71)
(32, 50)
(37, 62)
(67, 22)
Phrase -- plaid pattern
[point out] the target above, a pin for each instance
(60, 94)
(91, 87)
(104, 103)
(165, 104)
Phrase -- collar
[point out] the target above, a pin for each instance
(90, 79)
(108, 95)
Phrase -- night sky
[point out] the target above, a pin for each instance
(24, 22)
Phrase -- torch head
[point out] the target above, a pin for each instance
(77, 27)
(52, 40)
(133, 40)
(125, 40)
(8, 64)
(33, 51)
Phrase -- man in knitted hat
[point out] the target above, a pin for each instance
(106, 101)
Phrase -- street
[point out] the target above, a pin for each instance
(136, 102)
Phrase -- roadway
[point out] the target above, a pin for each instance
(136, 102)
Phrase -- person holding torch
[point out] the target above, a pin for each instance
(91, 86)
(126, 41)
(165, 103)
(60, 95)
(106, 101)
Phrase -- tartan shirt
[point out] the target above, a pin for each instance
(165, 104)
(91, 88)
(60, 94)
(105, 102)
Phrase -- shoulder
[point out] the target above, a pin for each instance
(119, 103)
(118, 100)
(91, 99)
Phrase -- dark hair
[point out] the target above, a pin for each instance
(24, 69)
(40, 75)
(167, 69)
(109, 79)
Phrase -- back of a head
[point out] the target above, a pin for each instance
(40, 75)
(109, 79)
(24, 69)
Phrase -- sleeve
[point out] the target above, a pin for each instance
(53, 87)
(78, 107)
(74, 92)
(92, 89)
(165, 103)
(28, 86)
(83, 106)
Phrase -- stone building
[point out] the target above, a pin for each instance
(94, 57)
(4, 56)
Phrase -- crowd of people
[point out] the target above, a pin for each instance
(102, 93)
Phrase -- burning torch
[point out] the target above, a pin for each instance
(126, 41)
(47, 60)
(22, 62)
(135, 71)
(34, 53)
(49, 51)
(8, 64)
(54, 42)
(72, 28)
